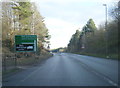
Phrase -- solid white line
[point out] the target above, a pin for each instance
(107, 79)
(111, 82)
(27, 77)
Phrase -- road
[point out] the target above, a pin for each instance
(67, 69)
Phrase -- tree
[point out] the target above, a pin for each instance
(86, 35)
(39, 28)
(22, 11)
(115, 11)
(91, 26)
(6, 24)
(22, 18)
(73, 44)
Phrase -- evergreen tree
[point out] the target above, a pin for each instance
(22, 18)
(22, 11)
(91, 26)
(73, 44)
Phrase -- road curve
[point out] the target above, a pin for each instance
(65, 69)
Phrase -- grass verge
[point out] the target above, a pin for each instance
(14, 70)
(24, 61)
(111, 56)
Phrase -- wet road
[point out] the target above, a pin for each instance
(67, 69)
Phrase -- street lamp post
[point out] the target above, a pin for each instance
(106, 30)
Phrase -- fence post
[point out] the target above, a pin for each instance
(4, 61)
(15, 61)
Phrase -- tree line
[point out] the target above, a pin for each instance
(97, 41)
(22, 18)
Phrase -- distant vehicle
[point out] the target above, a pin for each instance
(59, 53)
(51, 53)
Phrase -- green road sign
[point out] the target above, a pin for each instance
(25, 43)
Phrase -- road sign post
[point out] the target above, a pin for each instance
(25, 43)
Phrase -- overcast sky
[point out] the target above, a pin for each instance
(64, 17)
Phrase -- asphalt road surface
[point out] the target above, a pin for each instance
(67, 69)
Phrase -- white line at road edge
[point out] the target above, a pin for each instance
(98, 73)
(27, 77)
(107, 79)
